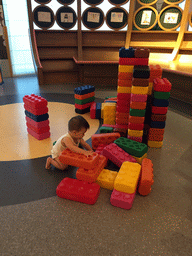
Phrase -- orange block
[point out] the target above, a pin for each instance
(156, 137)
(138, 105)
(122, 115)
(125, 75)
(79, 160)
(156, 131)
(146, 177)
(136, 119)
(103, 138)
(124, 83)
(91, 175)
(84, 96)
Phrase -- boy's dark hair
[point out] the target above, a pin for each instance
(76, 123)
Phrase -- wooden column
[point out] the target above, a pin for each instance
(130, 23)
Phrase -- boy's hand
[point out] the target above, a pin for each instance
(88, 152)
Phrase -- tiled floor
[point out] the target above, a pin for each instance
(34, 221)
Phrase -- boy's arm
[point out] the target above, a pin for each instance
(68, 143)
(85, 145)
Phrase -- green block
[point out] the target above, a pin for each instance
(161, 95)
(137, 112)
(132, 147)
(105, 129)
(80, 102)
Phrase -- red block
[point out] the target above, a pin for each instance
(134, 61)
(161, 85)
(38, 130)
(133, 126)
(122, 126)
(77, 190)
(156, 131)
(123, 96)
(159, 110)
(138, 97)
(155, 71)
(84, 96)
(103, 138)
(38, 136)
(93, 110)
(125, 75)
(79, 160)
(99, 149)
(83, 106)
(142, 82)
(35, 101)
(124, 83)
(122, 200)
(91, 175)
(157, 137)
(36, 111)
(122, 109)
(136, 119)
(117, 155)
(138, 139)
(146, 177)
(37, 124)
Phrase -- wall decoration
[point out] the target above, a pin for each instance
(116, 18)
(43, 17)
(93, 18)
(66, 17)
(170, 17)
(146, 17)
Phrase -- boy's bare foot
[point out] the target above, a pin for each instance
(48, 163)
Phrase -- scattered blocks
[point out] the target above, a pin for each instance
(106, 179)
(122, 200)
(78, 190)
(103, 138)
(79, 160)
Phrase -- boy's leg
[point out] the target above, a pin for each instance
(55, 162)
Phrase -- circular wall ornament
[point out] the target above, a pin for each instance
(93, 18)
(173, 1)
(170, 17)
(118, 2)
(145, 18)
(43, 1)
(149, 2)
(66, 17)
(43, 17)
(66, 1)
(93, 2)
(116, 18)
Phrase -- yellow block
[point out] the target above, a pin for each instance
(150, 88)
(109, 113)
(127, 177)
(126, 68)
(139, 90)
(155, 144)
(140, 159)
(123, 89)
(106, 104)
(135, 133)
(106, 179)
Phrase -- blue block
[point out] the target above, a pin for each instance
(38, 118)
(156, 124)
(160, 102)
(85, 89)
(98, 110)
(126, 53)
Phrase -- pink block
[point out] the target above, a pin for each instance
(93, 111)
(99, 149)
(122, 200)
(138, 97)
(37, 124)
(139, 139)
(40, 136)
(36, 111)
(117, 155)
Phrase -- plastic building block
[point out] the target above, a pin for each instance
(99, 149)
(161, 85)
(36, 111)
(138, 105)
(82, 111)
(38, 136)
(141, 72)
(37, 124)
(121, 121)
(160, 102)
(137, 112)
(138, 97)
(90, 175)
(126, 69)
(109, 113)
(78, 160)
(156, 124)
(123, 103)
(126, 52)
(35, 101)
(136, 119)
(156, 131)
(155, 71)
(132, 147)
(161, 95)
(106, 179)
(121, 115)
(155, 137)
(122, 200)
(139, 90)
(127, 177)
(140, 82)
(160, 118)
(142, 53)
(125, 75)
(121, 131)
(38, 118)
(150, 89)
(109, 125)
(85, 89)
(122, 126)
(85, 96)
(123, 96)
(140, 159)
(83, 106)
(133, 126)
(104, 129)
(146, 177)
(38, 130)
(139, 139)
(123, 109)
(159, 110)
(135, 133)
(117, 155)
(134, 61)
(98, 110)
(104, 138)
(123, 89)
(81, 102)
(77, 190)
(93, 110)
(124, 83)
(155, 144)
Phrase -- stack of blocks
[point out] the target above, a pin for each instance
(36, 112)
(160, 102)
(84, 97)
(139, 90)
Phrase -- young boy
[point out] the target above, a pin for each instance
(77, 127)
